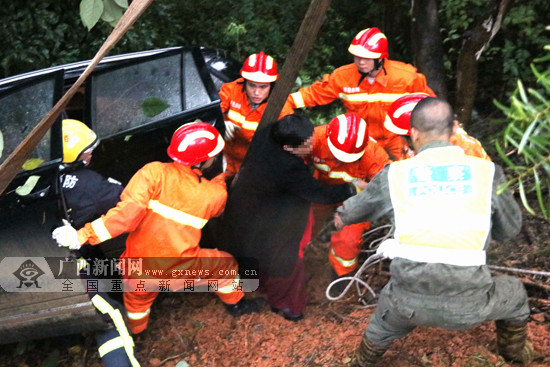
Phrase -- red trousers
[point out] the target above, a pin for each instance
(290, 292)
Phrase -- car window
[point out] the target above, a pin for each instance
(195, 91)
(134, 95)
(22, 107)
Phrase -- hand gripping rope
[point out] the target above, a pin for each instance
(359, 281)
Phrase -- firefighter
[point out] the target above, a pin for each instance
(367, 87)
(398, 121)
(243, 103)
(164, 207)
(85, 195)
(343, 152)
(446, 206)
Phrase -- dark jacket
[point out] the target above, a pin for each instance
(268, 205)
(88, 195)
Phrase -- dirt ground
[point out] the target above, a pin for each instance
(193, 329)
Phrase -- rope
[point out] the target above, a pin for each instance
(517, 270)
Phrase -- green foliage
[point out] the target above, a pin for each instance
(90, 12)
(525, 145)
(153, 106)
(43, 33)
(509, 54)
(110, 11)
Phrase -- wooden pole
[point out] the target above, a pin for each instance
(14, 162)
(298, 52)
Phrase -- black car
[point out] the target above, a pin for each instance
(134, 102)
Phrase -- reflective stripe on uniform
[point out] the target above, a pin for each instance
(177, 215)
(110, 345)
(428, 254)
(81, 263)
(298, 99)
(230, 287)
(124, 338)
(241, 121)
(137, 315)
(100, 230)
(338, 175)
(345, 263)
(368, 97)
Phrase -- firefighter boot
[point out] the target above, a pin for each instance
(367, 354)
(512, 343)
(245, 306)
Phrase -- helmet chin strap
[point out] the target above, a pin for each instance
(378, 64)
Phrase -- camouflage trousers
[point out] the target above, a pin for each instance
(399, 312)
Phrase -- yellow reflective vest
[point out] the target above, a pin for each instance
(442, 206)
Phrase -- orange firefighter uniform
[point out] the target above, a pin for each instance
(369, 101)
(237, 108)
(470, 145)
(345, 244)
(164, 207)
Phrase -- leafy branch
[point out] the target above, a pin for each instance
(525, 146)
(110, 11)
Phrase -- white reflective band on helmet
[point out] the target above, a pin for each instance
(191, 137)
(361, 134)
(389, 125)
(219, 147)
(429, 254)
(137, 315)
(342, 128)
(345, 263)
(375, 38)
(360, 51)
(177, 215)
(298, 99)
(258, 77)
(100, 230)
(344, 156)
(367, 97)
(403, 109)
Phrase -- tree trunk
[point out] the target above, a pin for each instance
(306, 36)
(474, 42)
(389, 27)
(427, 45)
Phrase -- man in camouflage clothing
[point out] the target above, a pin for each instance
(446, 207)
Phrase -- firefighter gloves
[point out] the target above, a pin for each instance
(66, 236)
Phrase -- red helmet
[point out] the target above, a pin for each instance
(370, 43)
(260, 68)
(398, 119)
(194, 143)
(347, 137)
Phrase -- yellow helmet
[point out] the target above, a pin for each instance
(77, 137)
